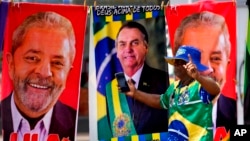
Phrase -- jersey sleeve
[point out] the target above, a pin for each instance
(205, 96)
(165, 98)
(164, 101)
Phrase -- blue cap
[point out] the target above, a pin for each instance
(182, 54)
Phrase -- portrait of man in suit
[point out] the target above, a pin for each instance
(135, 118)
(39, 61)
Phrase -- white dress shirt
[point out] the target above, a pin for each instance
(135, 77)
(21, 125)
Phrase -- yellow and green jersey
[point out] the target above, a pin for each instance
(190, 112)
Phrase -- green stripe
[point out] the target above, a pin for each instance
(104, 131)
(125, 109)
(122, 17)
(247, 70)
(109, 96)
(247, 57)
(123, 105)
(248, 36)
(98, 26)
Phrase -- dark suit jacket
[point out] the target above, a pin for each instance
(62, 123)
(247, 106)
(226, 112)
(147, 119)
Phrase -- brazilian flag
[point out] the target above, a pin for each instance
(106, 22)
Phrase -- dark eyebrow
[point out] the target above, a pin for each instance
(135, 40)
(121, 41)
(130, 41)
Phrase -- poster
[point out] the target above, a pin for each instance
(41, 71)
(218, 48)
(4, 11)
(119, 117)
(246, 90)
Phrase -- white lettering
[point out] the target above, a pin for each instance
(240, 132)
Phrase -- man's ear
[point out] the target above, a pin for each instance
(146, 45)
(10, 61)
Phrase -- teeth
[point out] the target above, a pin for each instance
(38, 86)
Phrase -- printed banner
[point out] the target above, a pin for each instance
(43, 50)
(132, 40)
(247, 76)
(3, 16)
(211, 27)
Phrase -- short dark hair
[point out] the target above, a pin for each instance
(132, 24)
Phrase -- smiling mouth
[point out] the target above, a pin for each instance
(38, 86)
(129, 57)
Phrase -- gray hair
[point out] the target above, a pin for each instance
(205, 18)
(43, 20)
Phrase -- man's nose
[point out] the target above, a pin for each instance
(128, 46)
(207, 63)
(44, 69)
(208, 72)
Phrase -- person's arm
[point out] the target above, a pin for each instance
(208, 83)
(152, 100)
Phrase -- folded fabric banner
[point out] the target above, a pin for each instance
(247, 76)
(43, 50)
(120, 117)
(3, 16)
(211, 27)
(144, 137)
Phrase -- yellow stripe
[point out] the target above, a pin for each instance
(115, 98)
(148, 14)
(195, 132)
(156, 136)
(134, 138)
(102, 111)
(114, 139)
(109, 30)
(129, 17)
(109, 18)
